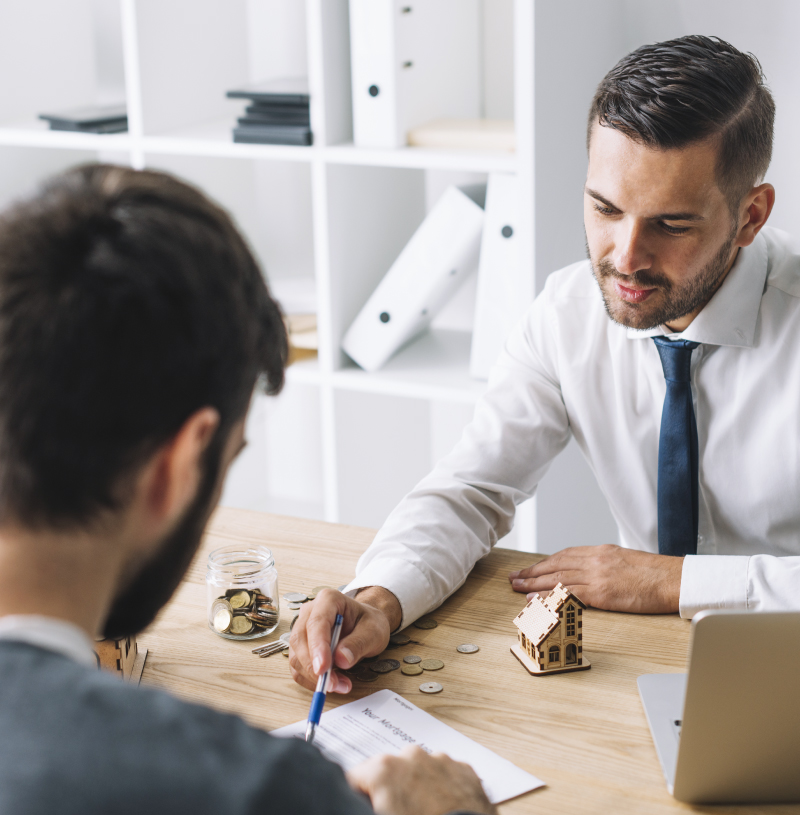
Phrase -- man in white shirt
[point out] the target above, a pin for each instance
(686, 402)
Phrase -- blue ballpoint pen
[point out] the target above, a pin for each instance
(318, 702)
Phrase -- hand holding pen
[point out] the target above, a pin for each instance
(318, 700)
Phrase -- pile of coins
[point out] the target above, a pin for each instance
(295, 599)
(243, 613)
(413, 665)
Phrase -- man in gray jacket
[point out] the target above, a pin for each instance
(134, 324)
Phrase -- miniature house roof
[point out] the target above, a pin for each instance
(540, 617)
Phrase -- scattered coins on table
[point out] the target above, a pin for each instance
(366, 676)
(295, 597)
(383, 666)
(312, 595)
(467, 648)
(240, 613)
(294, 606)
(369, 668)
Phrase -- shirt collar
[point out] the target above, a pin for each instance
(52, 635)
(729, 317)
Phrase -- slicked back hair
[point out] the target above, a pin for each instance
(675, 93)
(128, 301)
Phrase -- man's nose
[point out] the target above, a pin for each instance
(630, 251)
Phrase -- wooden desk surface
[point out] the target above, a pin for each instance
(584, 733)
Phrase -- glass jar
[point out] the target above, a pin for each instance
(242, 592)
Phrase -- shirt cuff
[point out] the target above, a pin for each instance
(404, 580)
(713, 581)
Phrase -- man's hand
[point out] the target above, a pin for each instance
(415, 783)
(608, 577)
(368, 621)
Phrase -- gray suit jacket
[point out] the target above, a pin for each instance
(73, 740)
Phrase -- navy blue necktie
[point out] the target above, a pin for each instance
(677, 453)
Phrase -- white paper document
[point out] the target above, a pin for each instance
(386, 723)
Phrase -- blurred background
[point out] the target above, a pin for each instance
(327, 220)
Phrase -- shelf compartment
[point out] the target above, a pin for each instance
(434, 366)
(304, 371)
(270, 202)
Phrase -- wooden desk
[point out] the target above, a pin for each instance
(583, 733)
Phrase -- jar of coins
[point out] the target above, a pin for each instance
(242, 592)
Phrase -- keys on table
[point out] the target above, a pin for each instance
(281, 644)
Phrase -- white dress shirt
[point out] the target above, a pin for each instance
(51, 634)
(568, 370)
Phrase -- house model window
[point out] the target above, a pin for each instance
(550, 634)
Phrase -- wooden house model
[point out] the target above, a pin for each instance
(551, 634)
(122, 657)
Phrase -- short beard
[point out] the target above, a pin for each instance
(137, 605)
(677, 301)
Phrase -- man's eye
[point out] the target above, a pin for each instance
(603, 210)
(674, 230)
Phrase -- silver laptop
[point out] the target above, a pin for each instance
(729, 731)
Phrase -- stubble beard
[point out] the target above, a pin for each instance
(672, 303)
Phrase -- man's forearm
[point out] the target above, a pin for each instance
(383, 600)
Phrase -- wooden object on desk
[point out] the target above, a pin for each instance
(584, 734)
(122, 657)
(546, 646)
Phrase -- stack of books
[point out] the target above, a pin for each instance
(278, 113)
(95, 119)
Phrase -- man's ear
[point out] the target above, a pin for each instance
(170, 480)
(756, 210)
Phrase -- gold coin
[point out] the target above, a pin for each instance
(241, 599)
(222, 620)
(241, 625)
(432, 664)
(411, 670)
(426, 623)
(219, 603)
(399, 639)
(286, 652)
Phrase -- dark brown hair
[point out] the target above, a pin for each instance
(674, 93)
(128, 301)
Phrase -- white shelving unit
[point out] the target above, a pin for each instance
(339, 443)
